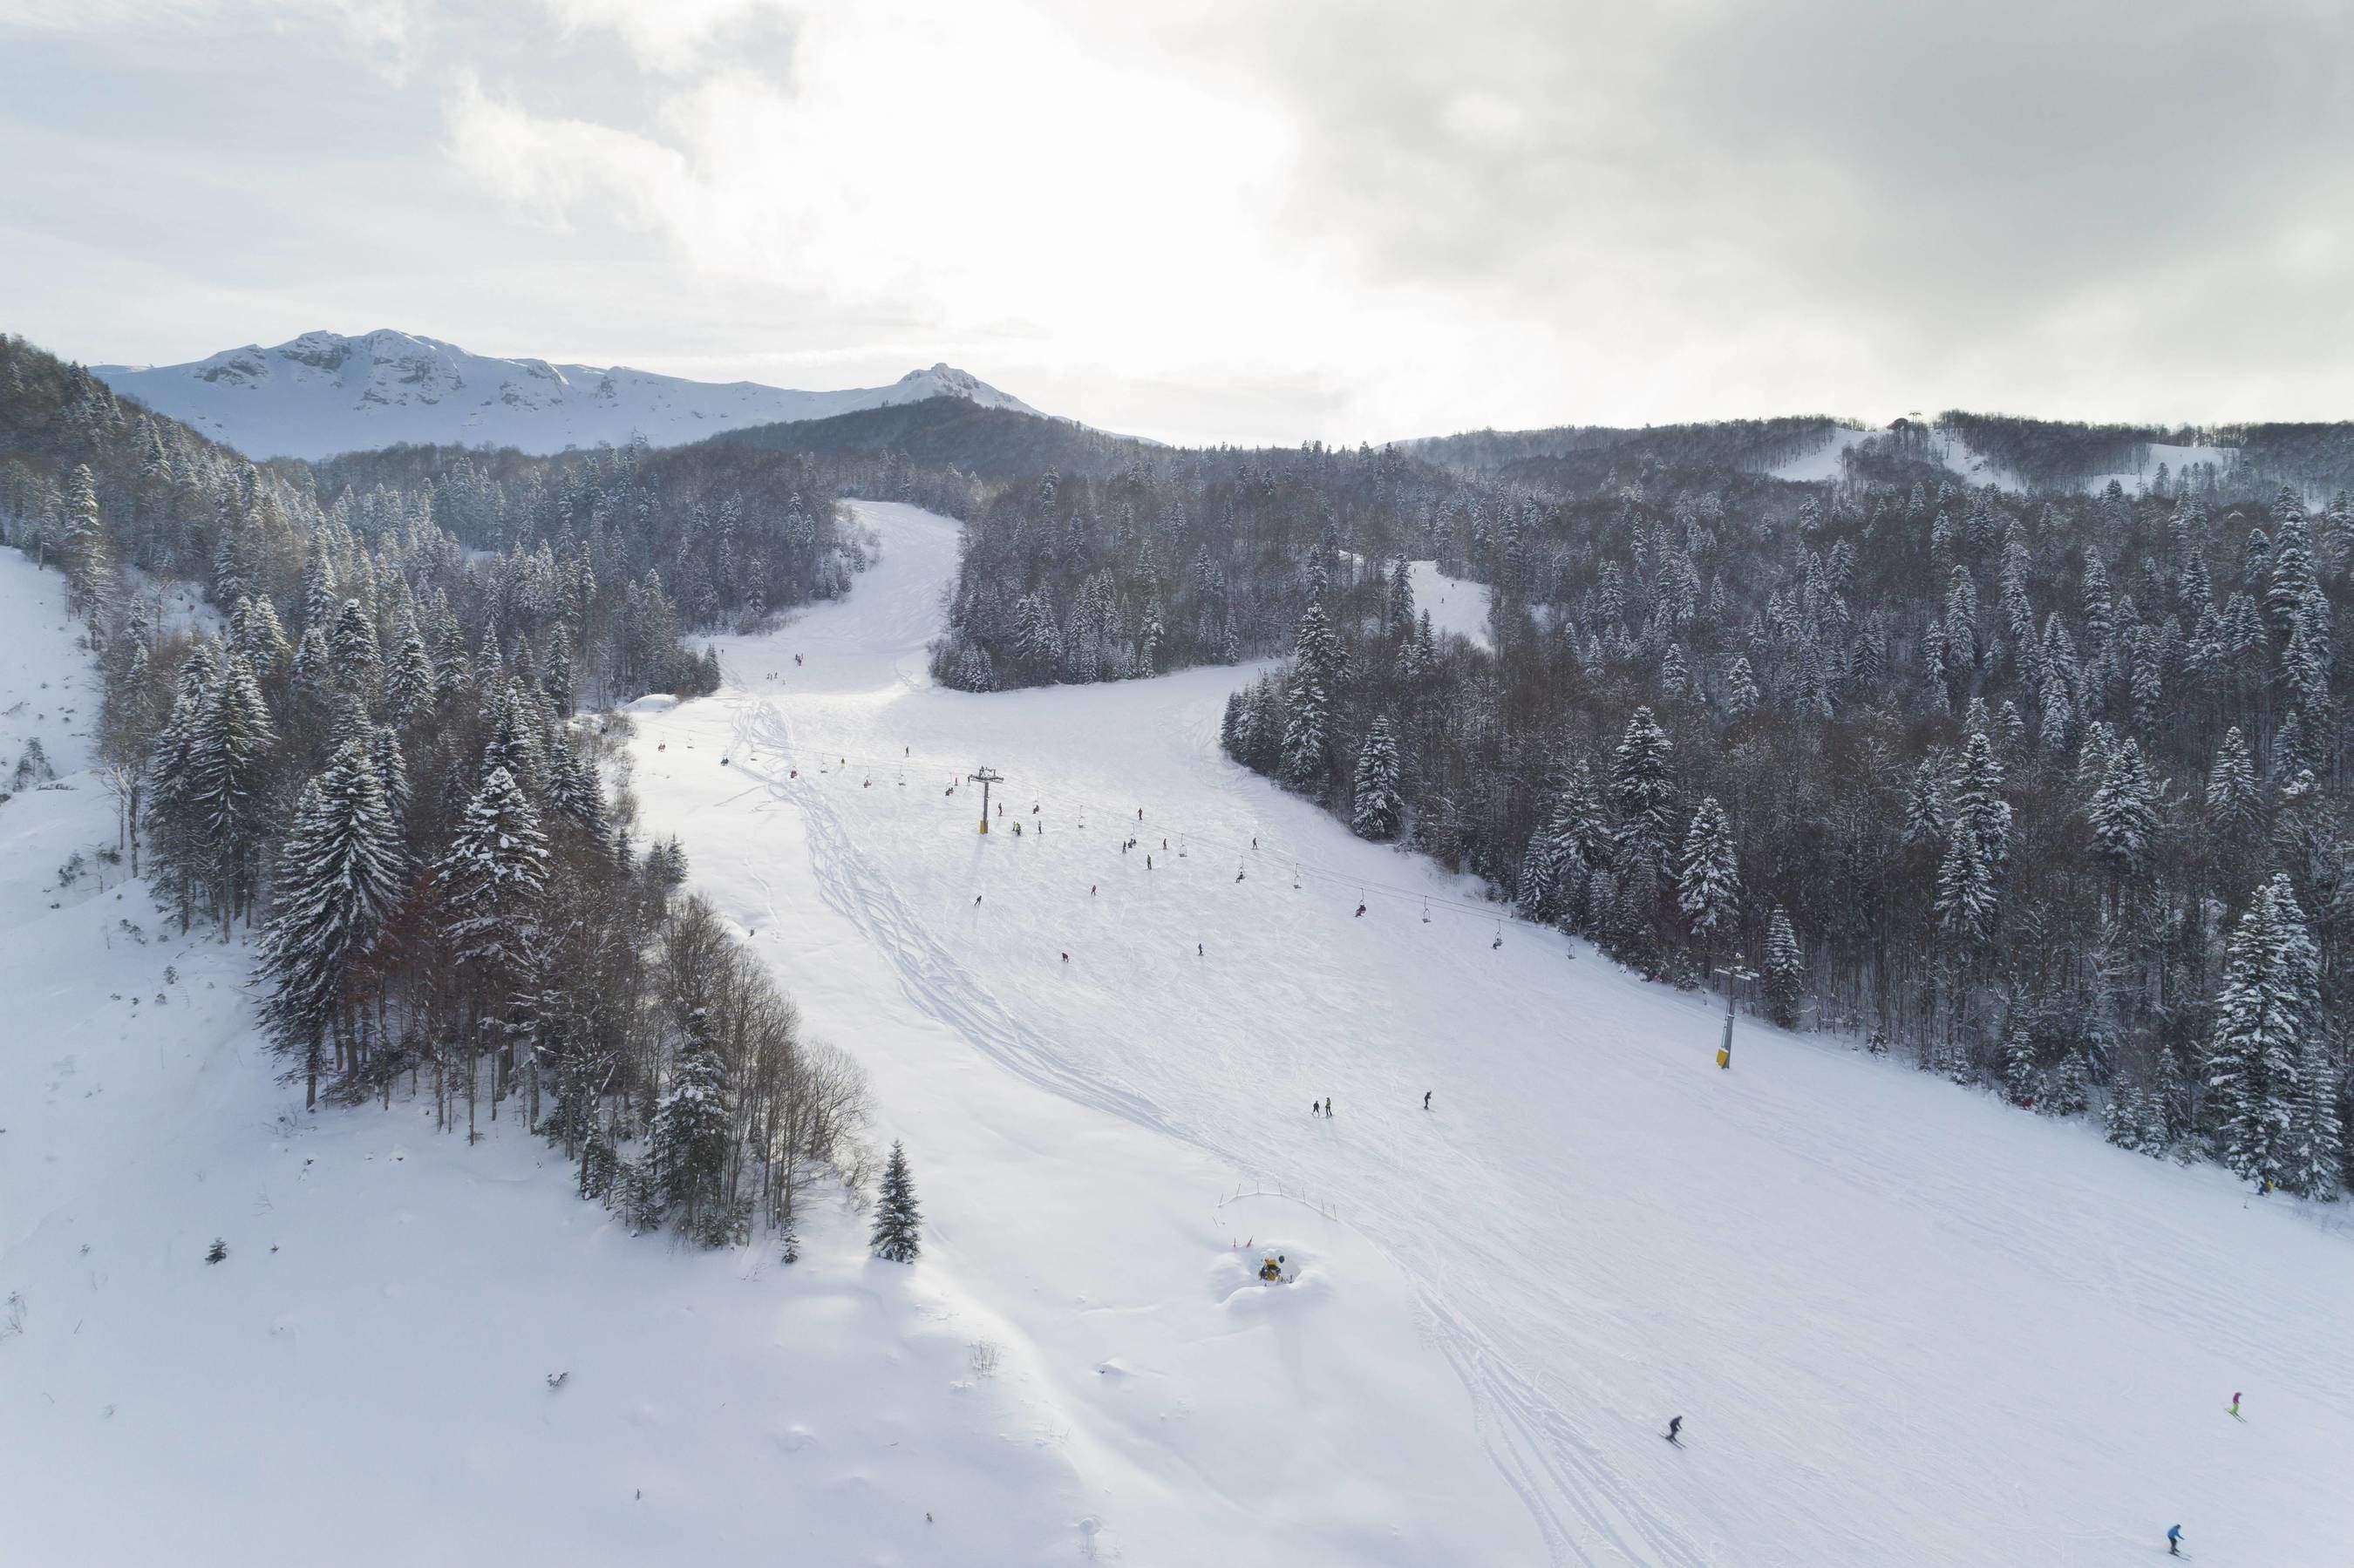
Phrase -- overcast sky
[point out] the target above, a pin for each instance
(1222, 220)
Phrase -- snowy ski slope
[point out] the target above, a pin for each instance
(1904, 1322)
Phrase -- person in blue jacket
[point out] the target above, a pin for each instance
(2174, 1541)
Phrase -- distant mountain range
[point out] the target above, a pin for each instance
(324, 392)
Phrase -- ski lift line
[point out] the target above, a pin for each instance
(1304, 869)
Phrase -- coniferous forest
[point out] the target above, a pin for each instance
(371, 756)
(2038, 789)
(2042, 791)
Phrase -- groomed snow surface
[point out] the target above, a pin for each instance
(1456, 606)
(1903, 1323)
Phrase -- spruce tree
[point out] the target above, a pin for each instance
(2316, 1136)
(2267, 1005)
(339, 874)
(1786, 970)
(1643, 793)
(898, 1224)
(690, 1138)
(1379, 807)
(492, 875)
(228, 768)
(2234, 796)
(1709, 885)
(1307, 761)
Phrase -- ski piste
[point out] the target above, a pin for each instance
(1559, 1308)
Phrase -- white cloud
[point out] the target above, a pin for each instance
(1220, 218)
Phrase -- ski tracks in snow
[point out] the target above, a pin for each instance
(853, 885)
(1585, 1509)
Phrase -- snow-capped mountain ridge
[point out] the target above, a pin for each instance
(325, 392)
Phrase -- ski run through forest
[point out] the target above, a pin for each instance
(1901, 1323)
(512, 1004)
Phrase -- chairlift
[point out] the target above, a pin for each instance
(1238, 871)
(1500, 937)
(1425, 911)
(1295, 876)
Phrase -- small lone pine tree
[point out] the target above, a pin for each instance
(898, 1223)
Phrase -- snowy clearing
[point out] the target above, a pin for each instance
(1456, 606)
(1827, 462)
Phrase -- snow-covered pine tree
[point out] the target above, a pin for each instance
(2021, 1074)
(1306, 760)
(690, 1138)
(1786, 970)
(408, 679)
(340, 873)
(227, 765)
(1741, 696)
(1708, 887)
(1643, 792)
(2267, 1004)
(898, 1235)
(2234, 796)
(357, 658)
(2316, 1146)
(1379, 809)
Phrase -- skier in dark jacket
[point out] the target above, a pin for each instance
(1675, 1430)
(1426, 1099)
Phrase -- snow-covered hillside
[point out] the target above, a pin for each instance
(1903, 1323)
(324, 392)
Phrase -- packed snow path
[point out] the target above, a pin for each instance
(1902, 1321)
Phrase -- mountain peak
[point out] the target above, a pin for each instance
(325, 392)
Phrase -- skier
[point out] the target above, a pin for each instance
(1197, 951)
(1675, 1430)
(1327, 1105)
(1148, 862)
(1360, 914)
(1091, 890)
(1067, 958)
(976, 901)
(2174, 1541)
(2235, 1408)
(1426, 1099)
(1140, 813)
